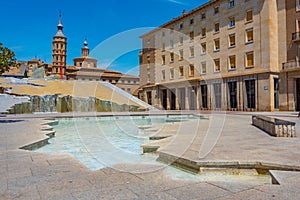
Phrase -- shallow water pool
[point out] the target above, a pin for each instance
(108, 141)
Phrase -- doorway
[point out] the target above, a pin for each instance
(250, 90)
(298, 94)
(173, 99)
(164, 98)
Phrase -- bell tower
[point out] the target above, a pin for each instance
(59, 50)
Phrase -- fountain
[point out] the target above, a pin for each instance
(48, 96)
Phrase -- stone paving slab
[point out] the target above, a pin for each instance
(31, 175)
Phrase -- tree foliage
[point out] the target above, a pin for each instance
(7, 58)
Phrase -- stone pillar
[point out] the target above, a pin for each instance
(209, 96)
(224, 95)
(168, 99)
(198, 103)
(187, 98)
(177, 100)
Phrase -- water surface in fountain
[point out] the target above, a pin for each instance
(108, 141)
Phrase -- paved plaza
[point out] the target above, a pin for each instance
(30, 175)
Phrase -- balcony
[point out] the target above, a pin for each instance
(291, 65)
(296, 37)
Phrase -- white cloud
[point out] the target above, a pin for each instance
(177, 2)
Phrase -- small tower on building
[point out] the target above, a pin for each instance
(59, 50)
(85, 61)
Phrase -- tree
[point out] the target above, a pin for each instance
(7, 59)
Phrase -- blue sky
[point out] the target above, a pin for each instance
(29, 26)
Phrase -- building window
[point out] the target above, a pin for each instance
(297, 5)
(171, 73)
(203, 48)
(217, 44)
(181, 40)
(249, 35)
(203, 15)
(149, 97)
(128, 90)
(163, 74)
(231, 3)
(203, 32)
(216, 10)
(250, 59)
(163, 57)
(163, 46)
(180, 54)
(250, 90)
(181, 71)
(192, 70)
(232, 40)
(217, 27)
(231, 22)
(203, 68)
(192, 51)
(249, 16)
(217, 65)
(232, 89)
(191, 21)
(181, 26)
(172, 44)
(204, 96)
(192, 35)
(163, 34)
(171, 57)
(232, 62)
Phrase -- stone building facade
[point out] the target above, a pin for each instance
(85, 69)
(290, 76)
(223, 55)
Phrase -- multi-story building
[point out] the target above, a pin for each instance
(223, 55)
(290, 76)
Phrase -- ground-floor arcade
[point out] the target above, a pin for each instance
(257, 92)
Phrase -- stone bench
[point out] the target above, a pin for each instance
(275, 127)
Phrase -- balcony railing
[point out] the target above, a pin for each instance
(296, 36)
(291, 65)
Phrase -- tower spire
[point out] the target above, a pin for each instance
(85, 49)
(60, 27)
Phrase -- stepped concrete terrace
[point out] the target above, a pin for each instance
(30, 175)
